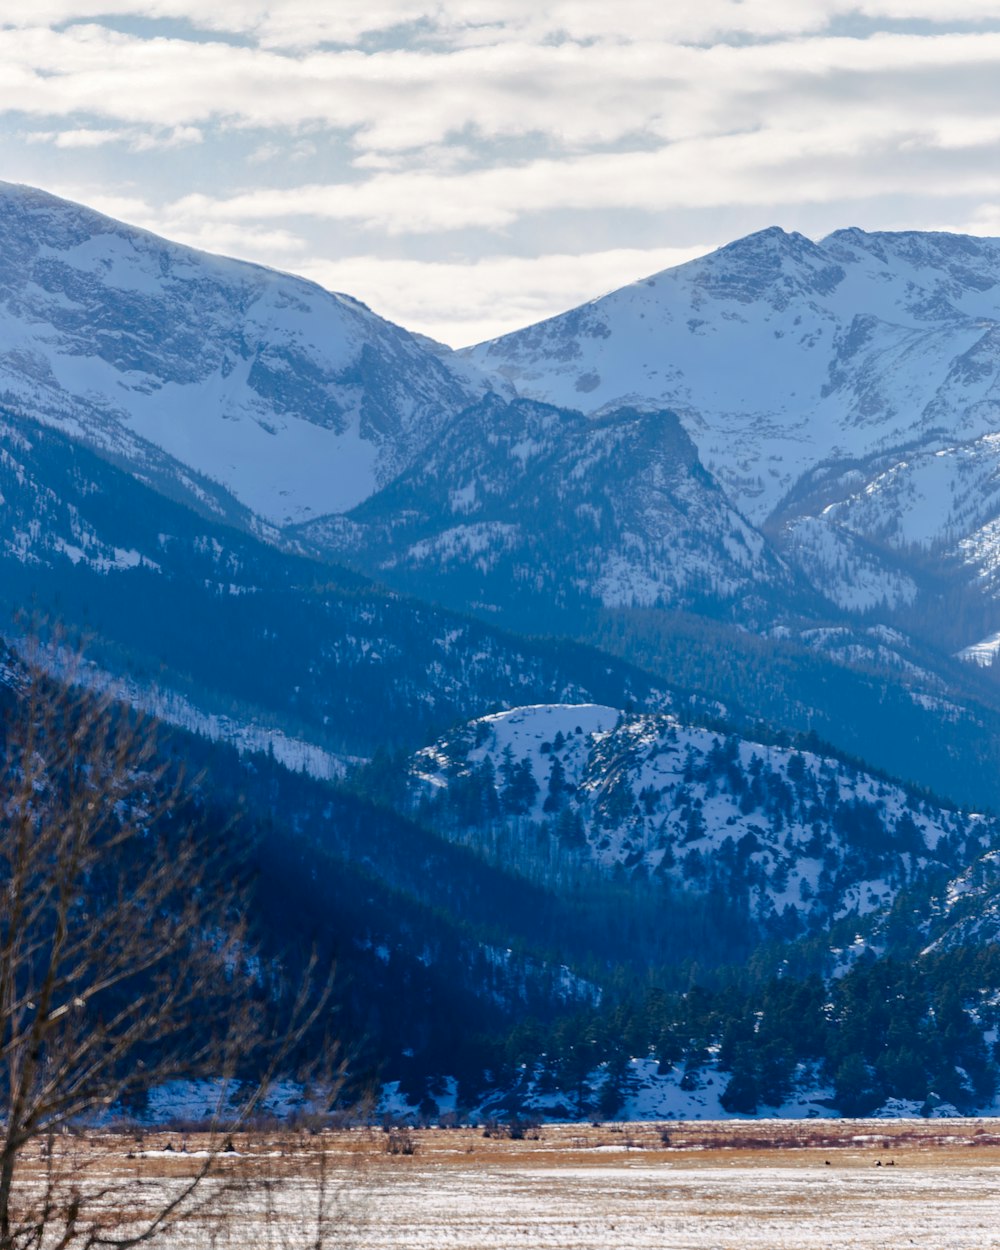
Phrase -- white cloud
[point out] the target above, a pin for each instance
(309, 23)
(122, 207)
(835, 161)
(650, 127)
(277, 248)
(508, 122)
(177, 137)
(135, 139)
(461, 302)
(82, 138)
(274, 245)
(984, 221)
(576, 96)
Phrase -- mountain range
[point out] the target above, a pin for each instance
(826, 410)
(657, 636)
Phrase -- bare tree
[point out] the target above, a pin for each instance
(124, 965)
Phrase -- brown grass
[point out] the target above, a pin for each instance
(692, 1144)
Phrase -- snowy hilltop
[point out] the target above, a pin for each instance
(789, 837)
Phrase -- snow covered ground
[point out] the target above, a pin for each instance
(637, 1207)
(645, 790)
(860, 1185)
(982, 653)
(248, 736)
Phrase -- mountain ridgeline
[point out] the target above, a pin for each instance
(538, 515)
(843, 393)
(792, 839)
(649, 646)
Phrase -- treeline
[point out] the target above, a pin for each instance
(868, 712)
(921, 1031)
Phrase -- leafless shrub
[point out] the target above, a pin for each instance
(400, 1141)
(124, 965)
(512, 1130)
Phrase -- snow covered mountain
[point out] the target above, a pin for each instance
(796, 838)
(223, 632)
(781, 354)
(762, 489)
(214, 379)
(300, 418)
(521, 505)
(846, 394)
(780, 412)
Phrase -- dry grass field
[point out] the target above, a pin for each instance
(705, 1186)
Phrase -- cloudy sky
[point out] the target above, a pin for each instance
(468, 166)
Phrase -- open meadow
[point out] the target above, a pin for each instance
(676, 1186)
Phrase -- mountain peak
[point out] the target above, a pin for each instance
(772, 264)
(768, 237)
(939, 250)
(778, 352)
(297, 401)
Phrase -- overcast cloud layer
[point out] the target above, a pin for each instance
(467, 166)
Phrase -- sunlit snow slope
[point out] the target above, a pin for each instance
(779, 353)
(195, 370)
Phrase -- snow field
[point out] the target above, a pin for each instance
(835, 349)
(636, 1207)
(298, 401)
(860, 1185)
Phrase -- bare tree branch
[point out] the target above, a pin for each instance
(124, 961)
